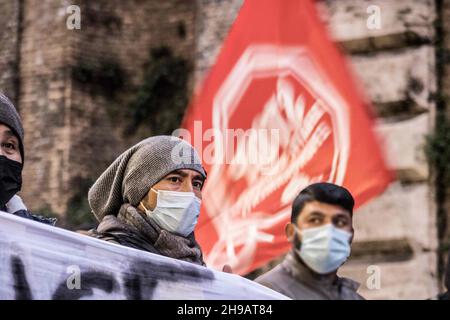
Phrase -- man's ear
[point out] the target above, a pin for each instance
(145, 201)
(149, 200)
(290, 232)
(353, 235)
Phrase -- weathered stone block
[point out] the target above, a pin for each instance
(401, 212)
(403, 22)
(398, 82)
(412, 279)
(404, 144)
(211, 29)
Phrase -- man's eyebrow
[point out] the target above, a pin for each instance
(199, 177)
(10, 134)
(343, 214)
(179, 172)
(184, 175)
(317, 213)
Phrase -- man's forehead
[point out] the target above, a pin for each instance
(5, 130)
(324, 208)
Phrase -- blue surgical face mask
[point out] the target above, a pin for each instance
(175, 211)
(324, 249)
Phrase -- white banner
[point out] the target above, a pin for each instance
(38, 261)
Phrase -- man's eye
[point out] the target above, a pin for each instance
(174, 179)
(198, 185)
(341, 223)
(314, 220)
(9, 146)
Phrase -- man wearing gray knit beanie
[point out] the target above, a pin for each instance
(149, 199)
(11, 163)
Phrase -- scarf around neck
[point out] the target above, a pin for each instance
(133, 229)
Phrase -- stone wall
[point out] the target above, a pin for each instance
(76, 85)
(121, 34)
(9, 47)
(443, 108)
(44, 103)
(214, 18)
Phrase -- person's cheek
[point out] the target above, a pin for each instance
(170, 185)
(198, 194)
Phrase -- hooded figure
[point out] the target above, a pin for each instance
(149, 199)
(11, 163)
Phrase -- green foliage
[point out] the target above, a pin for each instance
(105, 77)
(95, 17)
(46, 212)
(162, 98)
(79, 215)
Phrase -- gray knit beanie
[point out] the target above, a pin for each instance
(10, 117)
(129, 178)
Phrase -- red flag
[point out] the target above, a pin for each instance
(278, 111)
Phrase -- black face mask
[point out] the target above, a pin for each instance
(10, 179)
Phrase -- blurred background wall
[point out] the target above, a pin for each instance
(86, 95)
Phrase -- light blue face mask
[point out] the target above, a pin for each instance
(324, 249)
(175, 211)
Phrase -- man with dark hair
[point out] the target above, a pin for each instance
(321, 232)
(11, 163)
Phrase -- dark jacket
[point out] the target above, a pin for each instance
(293, 279)
(35, 217)
(19, 209)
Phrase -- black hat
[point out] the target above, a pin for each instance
(10, 117)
